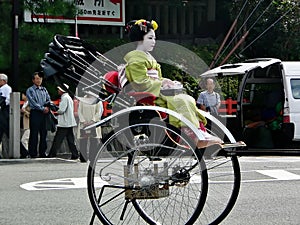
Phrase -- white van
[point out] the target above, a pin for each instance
(291, 82)
(268, 102)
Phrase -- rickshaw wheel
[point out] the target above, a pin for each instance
(224, 181)
(154, 167)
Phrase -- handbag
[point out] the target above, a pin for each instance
(51, 122)
(2, 102)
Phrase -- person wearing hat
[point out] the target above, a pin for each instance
(37, 97)
(66, 123)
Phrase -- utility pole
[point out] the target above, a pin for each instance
(14, 111)
(15, 43)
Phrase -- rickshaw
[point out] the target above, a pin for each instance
(145, 171)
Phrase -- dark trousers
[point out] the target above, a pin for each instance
(37, 125)
(61, 133)
(4, 121)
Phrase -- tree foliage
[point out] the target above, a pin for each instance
(273, 25)
(274, 30)
(63, 8)
(33, 37)
(5, 36)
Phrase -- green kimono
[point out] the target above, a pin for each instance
(144, 74)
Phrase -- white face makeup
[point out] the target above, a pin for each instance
(149, 41)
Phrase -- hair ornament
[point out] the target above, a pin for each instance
(154, 25)
(129, 26)
(136, 29)
(142, 24)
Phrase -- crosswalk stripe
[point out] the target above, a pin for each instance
(74, 183)
(280, 174)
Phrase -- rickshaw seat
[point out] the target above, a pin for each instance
(142, 98)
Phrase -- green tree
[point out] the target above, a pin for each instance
(5, 36)
(274, 29)
(33, 37)
(63, 8)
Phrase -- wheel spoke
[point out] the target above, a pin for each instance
(165, 182)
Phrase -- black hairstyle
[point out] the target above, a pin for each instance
(40, 74)
(137, 29)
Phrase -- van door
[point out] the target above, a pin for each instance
(261, 99)
(295, 105)
(291, 71)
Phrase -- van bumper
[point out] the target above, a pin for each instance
(288, 131)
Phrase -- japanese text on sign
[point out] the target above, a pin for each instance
(98, 12)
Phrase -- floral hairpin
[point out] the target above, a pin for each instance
(143, 24)
(154, 25)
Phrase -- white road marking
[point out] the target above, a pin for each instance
(262, 159)
(60, 184)
(280, 174)
(76, 183)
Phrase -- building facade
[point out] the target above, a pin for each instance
(178, 20)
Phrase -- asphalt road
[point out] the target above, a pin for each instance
(269, 192)
(53, 191)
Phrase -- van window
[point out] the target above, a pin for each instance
(263, 94)
(272, 71)
(261, 100)
(295, 85)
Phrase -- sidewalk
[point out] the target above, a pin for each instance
(63, 153)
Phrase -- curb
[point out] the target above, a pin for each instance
(37, 160)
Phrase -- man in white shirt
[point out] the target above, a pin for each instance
(5, 91)
(66, 123)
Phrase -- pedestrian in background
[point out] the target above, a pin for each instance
(66, 123)
(209, 100)
(38, 97)
(5, 91)
(25, 111)
(88, 139)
